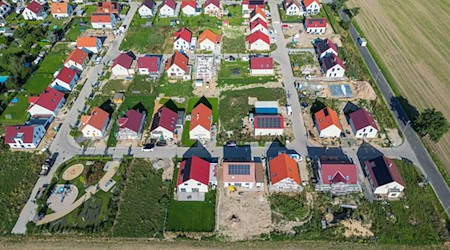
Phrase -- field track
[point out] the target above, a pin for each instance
(412, 38)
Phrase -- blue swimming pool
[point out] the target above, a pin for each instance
(3, 79)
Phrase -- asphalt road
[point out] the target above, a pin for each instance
(426, 163)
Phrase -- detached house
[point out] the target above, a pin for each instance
(332, 66)
(103, 20)
(148, 8)
(90, 43)
(258, 41)
(131, 125)
(292, 8)
(168, 8)
(326, 47)
(34, 11)
(95, 125)
(363, 125)
(201, 121)
(384, 178)
(208, 40)
(189, 7)
(337, 177)
(164, 124)
(77, 59)
(316, 26)
(65, 80)
(268, 125)
(26, 137)
(249, 5)
(284, 174)
(149, 65)
(261, 66)
(122, 65)
(177, 66)
(311, 7)
(5, 9)
(108, 7)
(213, 8)
(327, 123)
(259, 25)
(193, 176)
(182, 39)
(61, 9)
(47, 104)
(258, 13)
(243, 174)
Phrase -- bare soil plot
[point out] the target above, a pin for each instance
(412, 42)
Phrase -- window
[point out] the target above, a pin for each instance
(182, 190)
(364, 130)
(199, 184)
(185, 184)
(347, 178)
(329, 177)
(371, 130)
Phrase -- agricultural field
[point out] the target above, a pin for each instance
(18, 175)
(144, 202)
(418, 69)
(238, 73)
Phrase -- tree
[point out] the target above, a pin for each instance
(52, 37)
(354, 12)
(432, 123)
(345, 24)
(11, 83)
(338, 4)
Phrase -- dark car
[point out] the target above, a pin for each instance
(161, 143)
(231, 144)
(148, 147)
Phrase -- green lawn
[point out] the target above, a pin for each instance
(192, 216)
(226, 76)
(200, 23)
(163, 21)
(235, 15)
(289, 207)
(185, 136)
(18, 175)
(124, 9)
(148, 39)
(17, 111)
(75, 28)
(290, 19)
(89, 9)
(115, 86)
(233, 41)
(214, 103)
(144, 85)
(180, 88)
(144, 203)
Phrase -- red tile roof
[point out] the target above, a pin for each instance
(327, 117)
(170, 3)
(309, 2)
(252, 6)
(361, 119)
(288, 3)
(256, 36)
(193, 168)
(35, 7)
(123, 60)
(101, 17)
(78, 56)
(383, 170)
(213, 2)
(12, 131)
(257, 22)
(191, 3)
(330, 61)
(179, 59)
(165, 118)
(49, 99)
(87, 41)
(108, 7)
(131, 120)
(333, 173)
(316, 22)
(97, 119)
(148, 62)
(282, 167)
(201, 115)
(261, 63)
(66, 75)
(184, 34)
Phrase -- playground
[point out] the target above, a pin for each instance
(73, 172)
(62, 196)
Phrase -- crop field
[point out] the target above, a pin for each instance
(411, 42)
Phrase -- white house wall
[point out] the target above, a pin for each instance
(190, 185)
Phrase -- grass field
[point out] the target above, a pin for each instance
(144, 202)
(411, 42)
(227, 77)
(18, 175)
(179, 88)
(235, 15)
(233, 41)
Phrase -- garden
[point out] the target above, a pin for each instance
(301, 59)
(238, 73)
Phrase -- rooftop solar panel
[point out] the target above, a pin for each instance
(239, 169)
(269, 122)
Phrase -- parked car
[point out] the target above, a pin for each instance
(245, 58)
(231, 144)
(148, 147)
(161, 143)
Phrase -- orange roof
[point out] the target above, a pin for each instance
(97, 119)
(309, 2)
(108, 7)
(282, 167)
(201, 115)
(59, 8)
(327, 117)
(260, 11)
(77, 55)
(87, 41)
(208, 34)
(100, 17)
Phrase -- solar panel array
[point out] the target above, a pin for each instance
(239, 169)
(268, 122)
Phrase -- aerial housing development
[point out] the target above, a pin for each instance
(220, 121)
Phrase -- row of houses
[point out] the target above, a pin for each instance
(258, 39)
(149, 8)
(184, 40)
(327, 53)
(306, 7)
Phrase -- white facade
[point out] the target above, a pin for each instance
(167, 11)
(313, 8)
(367, 132)
(181, 44)
(37, 110)
(145, 11)
(74, 65)
(207, 45)
(64, 15)
(212, 10)
(91, 132)
(30, 15)
(335, 71)
(389, 190)
(105, 25)
(119, 70)
(330, 131)
(268, 131)
(261, 72)
(96, 49)
(328, 52)
(192, 186)
(188, 10)
(4, 10)
(38, 134)
(259, 45)
(161, 132)
(258, 15)
(316, 30)
(259, 27)
(175, 71)
(248, 185)
(199, 133)
(287, 184)
(64, 86)
(293, 10)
